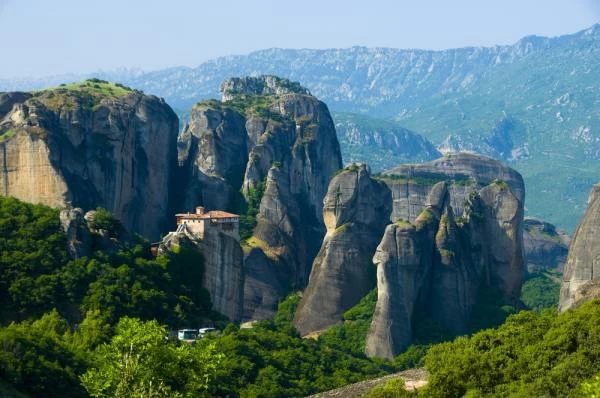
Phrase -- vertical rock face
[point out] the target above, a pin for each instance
(213, 152)
(582, 272)
(356, 210)
(87, 145)
(436, 263)
(266, 132)
(546, 247)
(404, 262)
(223, 267)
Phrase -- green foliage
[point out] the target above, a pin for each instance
(36, 357)
(350, 336)
(500, 184)
(393, 388)
(343, 228)
(36, 275)
(268, 362)
(427, 179)
(541, 290)
(530, 355)
(8, 134)
(413, 357)
(402, 223)
(103, 219)
(261, 106)
(352, 167)
(285, 312)
(139, 362)
(490, 309)
(591, 388)
(33, 246)
(249, 213)
(87, 94)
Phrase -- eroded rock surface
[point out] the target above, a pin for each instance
(582, 272)
(466, 238)
(266, 132)
(88, 145)
(356, 210)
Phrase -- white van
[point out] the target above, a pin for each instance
(187, 335)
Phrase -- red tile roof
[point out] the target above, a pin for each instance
(208, 215)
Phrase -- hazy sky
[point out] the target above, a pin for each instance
(43, 37)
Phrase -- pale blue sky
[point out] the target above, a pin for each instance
(53, 37)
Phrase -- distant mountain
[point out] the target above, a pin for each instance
(380, 143)
(534, 104)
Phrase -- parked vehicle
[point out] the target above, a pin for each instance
(203, 331)
(187, 335)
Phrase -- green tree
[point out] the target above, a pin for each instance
(531, 354)
(37, 357)
(138, 361)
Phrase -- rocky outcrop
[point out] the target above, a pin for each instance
(90, 144)
(404, 259)
(265, 85)
(410, 184)
(267, 132)
(223, 267)
(356, 210)
(465, 239)
(546, 247)
(582, 272)
(79, 239)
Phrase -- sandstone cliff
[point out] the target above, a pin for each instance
(459, 232)
(267, 132)
(356, 211)
(90, 144)
(582, 272)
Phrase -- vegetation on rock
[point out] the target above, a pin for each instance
(250, 210)
(87, 94)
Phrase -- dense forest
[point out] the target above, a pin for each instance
(101, 326)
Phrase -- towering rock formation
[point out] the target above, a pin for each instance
(582, 272)
(266, 133)
(435, 262)
(356, 211)
(404, 259)
(223, 267)
(546, 247)
(90, 144)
